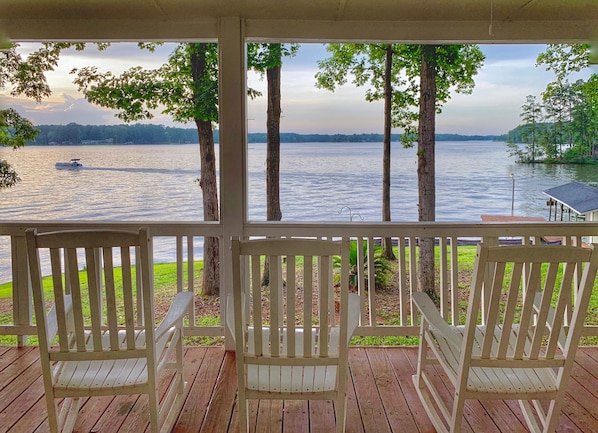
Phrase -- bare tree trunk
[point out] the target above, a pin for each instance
(207, 181)
(273, 212)
(273, 150)
(388, 252)
(425, 167)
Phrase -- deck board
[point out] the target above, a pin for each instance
(381, 398)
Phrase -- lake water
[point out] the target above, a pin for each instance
(158, 183)
(472, 178)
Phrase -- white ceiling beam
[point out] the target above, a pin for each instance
(420, 31)
(303, 20)
(109, 30)
(303, 31)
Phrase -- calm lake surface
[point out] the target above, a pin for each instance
(158, 183)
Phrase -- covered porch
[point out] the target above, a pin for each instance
(382, 397)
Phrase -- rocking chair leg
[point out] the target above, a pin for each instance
(341, 413)
(243, 413)
(53, 419)
(457, 417)
(529, 416)
(552, 415)
(154, 413)
(68, 414)
(421, 356)
(549, 419)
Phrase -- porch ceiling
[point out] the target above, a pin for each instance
(304, 20)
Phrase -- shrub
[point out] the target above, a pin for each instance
(382, 267)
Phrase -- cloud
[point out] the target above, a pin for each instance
(64, 109)
(61, 110)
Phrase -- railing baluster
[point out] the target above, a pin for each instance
(403, 290)
(190, 275)
(180, 274)
(22, 304)
(361, 290)
(454, 281)
(412, 274)
(371, 281)
(444, 295)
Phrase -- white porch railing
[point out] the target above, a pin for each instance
(185, 238)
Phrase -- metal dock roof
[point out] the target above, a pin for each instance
(578, 196)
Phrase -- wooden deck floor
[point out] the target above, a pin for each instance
(381, 399)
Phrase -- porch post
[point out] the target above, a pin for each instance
(233, 165)
(21, 292)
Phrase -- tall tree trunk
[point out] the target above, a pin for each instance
(273, 146)
(207, 181)
(425, 166)
(273, 212)
(386, 157)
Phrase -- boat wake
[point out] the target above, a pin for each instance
(145, 170)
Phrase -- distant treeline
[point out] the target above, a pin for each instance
(358, 138)
(521, 134)
(74, 134)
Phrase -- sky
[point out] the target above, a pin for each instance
(508, 75)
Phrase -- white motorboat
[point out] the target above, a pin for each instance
(73, 164)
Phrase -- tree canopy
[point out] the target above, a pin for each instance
(24, 76)
(364, 65)
(563, 127)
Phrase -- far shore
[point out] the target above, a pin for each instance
(93, 135)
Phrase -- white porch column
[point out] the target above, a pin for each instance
(233, 162)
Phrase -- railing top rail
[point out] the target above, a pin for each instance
(423, 229)
(159, 228)
(379, 229)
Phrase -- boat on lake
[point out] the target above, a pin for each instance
(73, 164)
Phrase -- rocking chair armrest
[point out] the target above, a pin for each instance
(431, 315)
(52, 321)
(179, 307)
(354, 312)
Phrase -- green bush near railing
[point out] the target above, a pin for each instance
(382, 266)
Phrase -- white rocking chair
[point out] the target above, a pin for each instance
(292, 338)
(96, 327)
(526, 309)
